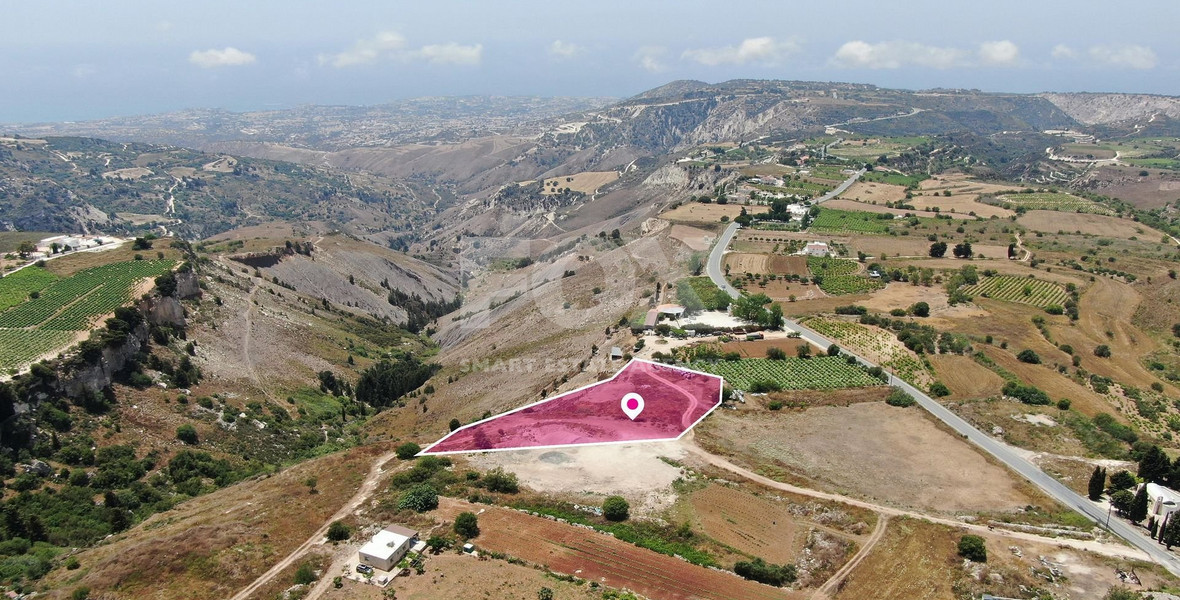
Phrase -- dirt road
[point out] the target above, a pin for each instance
(830, 586)
(368, 486)
(1103, 548)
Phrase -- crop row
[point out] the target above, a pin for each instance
(861, 339)
(1035, 292)
(1055, 201)
(87, 294)
(15, 288)
(849, 221)
(837, 276)
(818, 373)
(19, 347)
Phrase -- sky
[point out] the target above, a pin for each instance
(74, 60)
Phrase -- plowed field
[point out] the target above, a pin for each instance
(598, 557)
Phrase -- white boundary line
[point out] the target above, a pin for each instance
(720, 391)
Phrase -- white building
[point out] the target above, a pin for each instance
(388, 547)
(816, 249)
(1161, 502)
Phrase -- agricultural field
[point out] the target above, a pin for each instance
(1024, 290)
(876, 345)
(839, 276)
(845, 221)
(565, 548)
(15, 288)
(67, 306)
(817, 373)
(894, 178)
(708, 214)
(1053, 201)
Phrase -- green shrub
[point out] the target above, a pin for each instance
(899, 398)
(764, 572)
(187, 434)
(304, 574)
(408, 450)
(466, 525)
(616, 508)
(419, 498)
(938, 389)
(338, 531)
(972, 548)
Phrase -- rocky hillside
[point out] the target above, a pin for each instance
(1101, 109)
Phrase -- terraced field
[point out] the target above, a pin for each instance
(839, 276)
(42, 325)
(1054, 201)
(1023, 290)
(817, 373)
(873, 343)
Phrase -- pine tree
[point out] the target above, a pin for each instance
(1097, 483)
(1171, 535)
(1138, 510)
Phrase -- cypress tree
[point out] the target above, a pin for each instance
(1097, 483)
(1138, 510)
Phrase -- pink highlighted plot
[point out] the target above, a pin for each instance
(645, 401)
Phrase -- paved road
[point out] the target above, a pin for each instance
(1134, 535)
(840, 188)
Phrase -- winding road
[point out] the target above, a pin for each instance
(1055, 489)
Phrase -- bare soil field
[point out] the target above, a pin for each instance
(694, 238)
(917, 560)
(781, 291)
(789, 265)
(846, 450)
(845, 203)
(224, 164)
(597, 557)
(746, 262)
(960, 204)
(1082, 398)
(1124, 183)
(696, 212)
(965, 377)
(586, 182)
(747, 523)
(633, 471)
(462, 577)
(1051, 221)
(1108, 306)
(881, 245)
(901, 294)
(875, 192)
(131, 173)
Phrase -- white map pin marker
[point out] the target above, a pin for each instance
(632, 405)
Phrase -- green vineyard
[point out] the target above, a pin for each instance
(848, 221)
(1034, 292)
(15, 288)
(818, 373)
(839, 276)
(876, 343)
(1054, 201)
(64, 306)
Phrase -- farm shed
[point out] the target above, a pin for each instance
(388, 547)
(653, 316)
(616, 353)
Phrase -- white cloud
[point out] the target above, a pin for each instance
(651, 58)
(391, 45)
(226, 57)
(366, 50)
(896, 54)
(999, 54)
(1061, 51)
(562, 49)
(759, 49)
(449, 54)
(85, 71)
(1130, 56)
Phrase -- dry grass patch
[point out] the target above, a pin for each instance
(1051, 221)
(213, 545)
(586, 182)
(847, 450)
(698, 212)
(965, 377)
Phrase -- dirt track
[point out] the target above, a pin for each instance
(367, 488)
